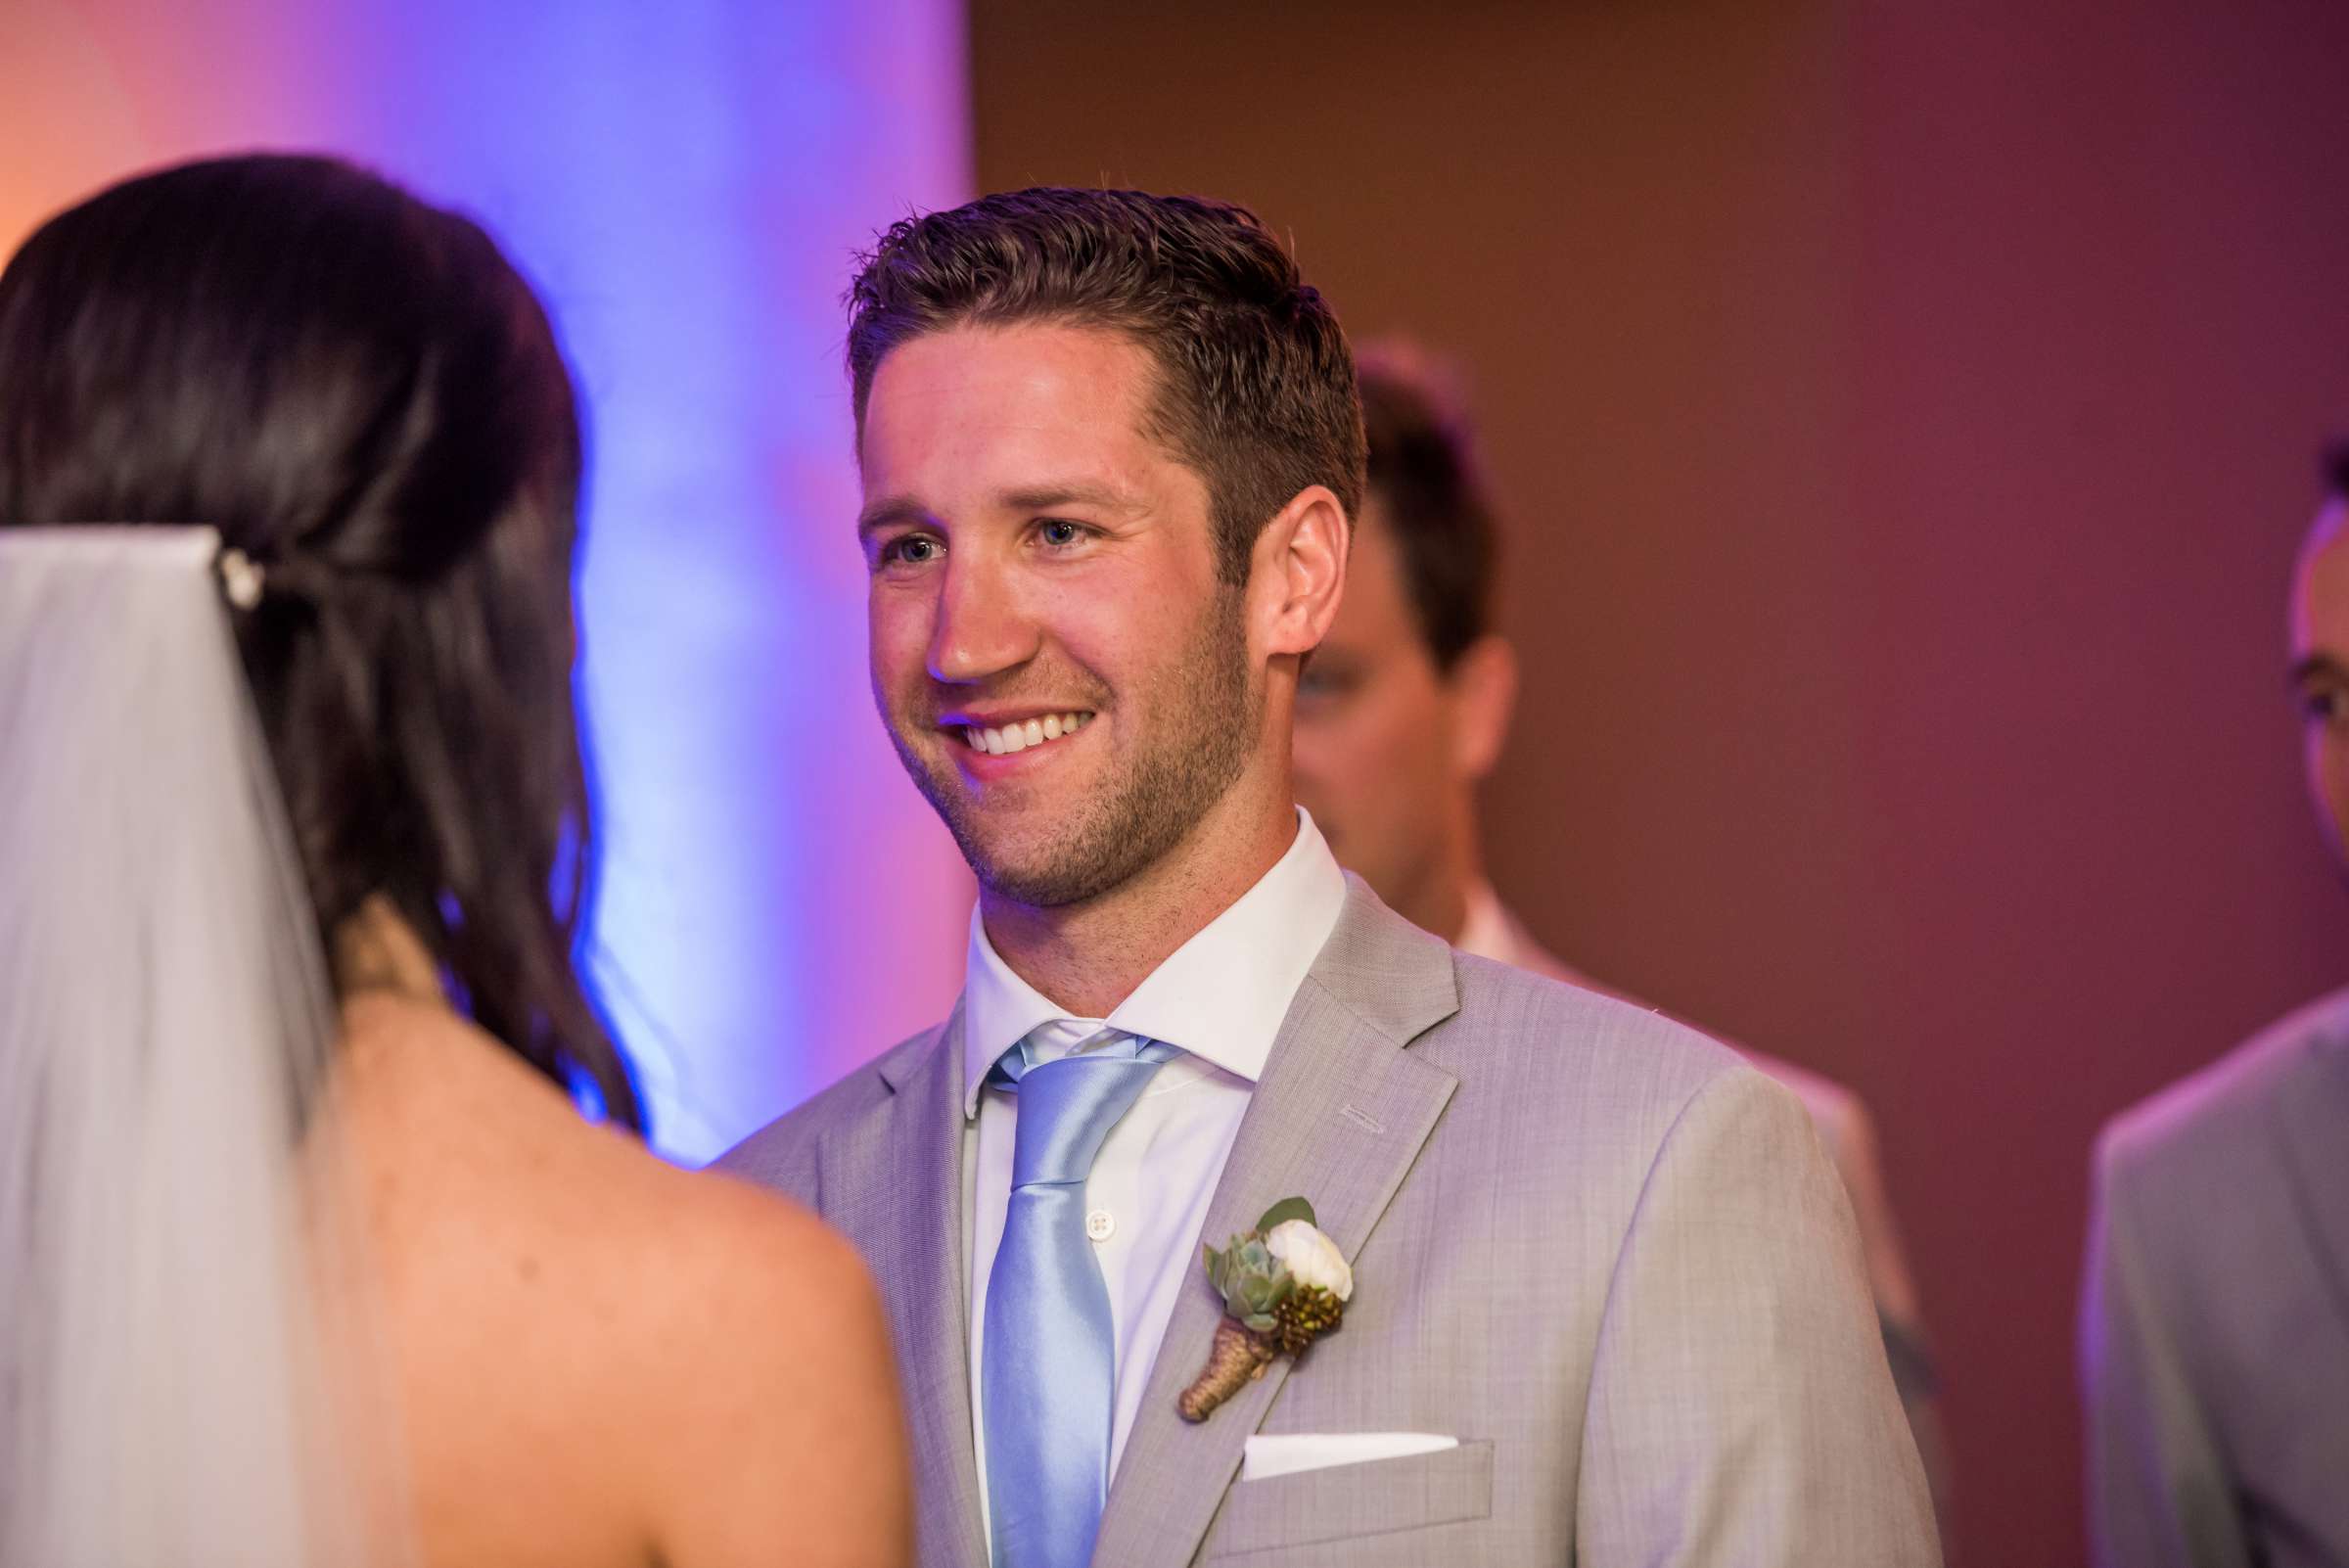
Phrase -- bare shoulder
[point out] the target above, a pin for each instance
(776, 1363)
(781, 1367)
(471, 1154)
(752, 1268)
(602, 1355)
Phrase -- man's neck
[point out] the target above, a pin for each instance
(1441, 908)
(1436, 899)
(1088, 957)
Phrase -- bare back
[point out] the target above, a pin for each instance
(598, 1358)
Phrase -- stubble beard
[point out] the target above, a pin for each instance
(1199, 730)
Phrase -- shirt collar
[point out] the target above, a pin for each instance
(1220, 996)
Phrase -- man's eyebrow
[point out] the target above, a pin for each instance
(2318, 663)
(888, 511)
(1072, 493)
(892, 511)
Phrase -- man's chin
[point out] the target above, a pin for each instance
(1036, 881)
(1024, 861)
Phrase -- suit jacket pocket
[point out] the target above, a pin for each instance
(1349, 1502)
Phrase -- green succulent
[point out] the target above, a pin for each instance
(1251, 1280)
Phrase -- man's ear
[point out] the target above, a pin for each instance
(1297, 572)
(1484, 699)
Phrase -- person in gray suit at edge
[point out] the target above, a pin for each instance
(1606, 1299)
(2214, 1325)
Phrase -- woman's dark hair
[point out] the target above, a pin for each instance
(361, 395)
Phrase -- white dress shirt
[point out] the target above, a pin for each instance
(1220, 999)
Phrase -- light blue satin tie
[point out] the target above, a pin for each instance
(1048, 1372)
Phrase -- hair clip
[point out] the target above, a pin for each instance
(242, 577)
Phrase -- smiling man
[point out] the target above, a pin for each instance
(1606, 1299)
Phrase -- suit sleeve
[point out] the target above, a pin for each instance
(2159, 1495)
(1899, 1316)
(1741, 1410)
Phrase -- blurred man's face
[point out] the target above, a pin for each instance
(1389, 747)
(2319, 634)
(1059, 667)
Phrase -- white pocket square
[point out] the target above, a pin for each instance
(1288, 1452)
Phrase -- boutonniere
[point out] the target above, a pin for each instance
(1284, 1285)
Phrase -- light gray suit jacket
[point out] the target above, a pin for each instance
(2214, 1328)
(1601, 1250)
(1849, 1134)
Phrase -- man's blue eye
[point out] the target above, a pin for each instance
(911, 549)
(1057, 533)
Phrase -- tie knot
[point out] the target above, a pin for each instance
(1067, 1108)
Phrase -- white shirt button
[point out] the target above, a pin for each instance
(1100, 1225)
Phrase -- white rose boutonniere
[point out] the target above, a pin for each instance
(1284, 1285)
(1311, 1258)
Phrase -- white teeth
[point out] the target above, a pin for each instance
(1018, 737)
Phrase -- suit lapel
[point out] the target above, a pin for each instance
(905, 1168)
(2318, 1149)
(1337, 1119)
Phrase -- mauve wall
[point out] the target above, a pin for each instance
(1907, 422)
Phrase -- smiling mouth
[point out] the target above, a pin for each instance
(1000, 740)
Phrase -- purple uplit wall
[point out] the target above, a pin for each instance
(686, 185)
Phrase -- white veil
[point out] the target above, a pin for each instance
(168, 1203)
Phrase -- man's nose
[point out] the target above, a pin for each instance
(983, 627)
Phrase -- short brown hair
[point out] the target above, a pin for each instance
(1256, 382)
(1424, 474)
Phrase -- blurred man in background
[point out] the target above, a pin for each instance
(1401, 713)
(2214, 1331)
